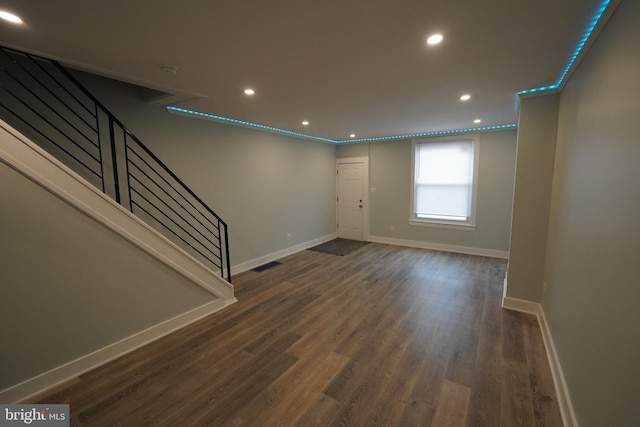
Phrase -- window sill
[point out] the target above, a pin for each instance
(442, 224)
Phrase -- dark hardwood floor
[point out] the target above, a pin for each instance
(384, 336)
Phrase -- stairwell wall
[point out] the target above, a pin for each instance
(70, 286)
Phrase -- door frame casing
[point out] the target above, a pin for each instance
(365, 192)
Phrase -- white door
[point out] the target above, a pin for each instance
(350, 200)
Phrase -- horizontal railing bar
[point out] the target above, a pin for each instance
(172, 187)
(35, 62)
(172, 220)
(44, 103)
(204, 257)
(174, 211)
(171, 231)
(176, 189)
(166, 169)
(49, 123)
(33, 59)
(53, 142)
(88, 110)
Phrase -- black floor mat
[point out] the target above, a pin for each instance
(339, 246)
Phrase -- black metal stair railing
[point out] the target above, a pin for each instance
(41, 99)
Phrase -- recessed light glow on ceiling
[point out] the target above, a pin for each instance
(305, 123)
(353, 135)
(249, 91)
(477, 121)
(435, 39)
(10, 17)
(465, 97)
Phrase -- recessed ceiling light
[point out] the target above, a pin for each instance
(477, 121)
(249, 91)
(465, 97)
(10, 17)
(353, 135)
(435, 39)
(305, 123)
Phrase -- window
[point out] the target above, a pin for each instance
(444, 182)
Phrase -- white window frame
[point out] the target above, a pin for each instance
(468, 225)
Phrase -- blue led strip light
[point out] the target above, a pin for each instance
(583, 40)
(576, 52)
(249, 124)
(574, 56)
(435, 133)
(341, 141)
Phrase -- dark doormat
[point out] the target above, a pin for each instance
(265, 266)
(339, 246)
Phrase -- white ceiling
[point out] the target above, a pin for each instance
(346, 66)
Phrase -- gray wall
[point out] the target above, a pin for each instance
(390, 175)
(592, 302)
(537, 133)
(70, 286)
(266, 185)
(262, 184)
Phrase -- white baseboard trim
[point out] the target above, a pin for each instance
(257, 262)
(564, 399)
(74, 368)
(522, 306)
(441, 247)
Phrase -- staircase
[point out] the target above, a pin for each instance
(45, 103)
(103, 248)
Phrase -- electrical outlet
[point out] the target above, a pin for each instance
(392, 228)
(288, 236)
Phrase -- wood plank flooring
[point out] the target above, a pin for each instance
(384, 336)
